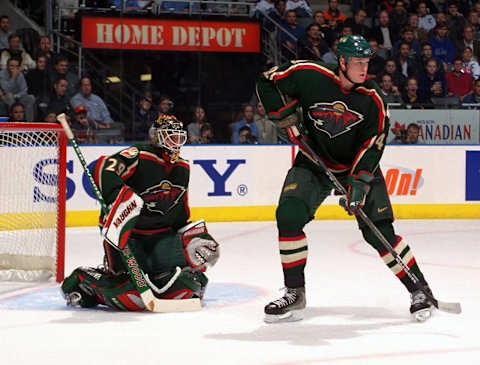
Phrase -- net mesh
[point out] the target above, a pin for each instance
(28, 209)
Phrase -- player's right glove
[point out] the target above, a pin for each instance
(358, 187)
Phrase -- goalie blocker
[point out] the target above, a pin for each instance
(173, 262)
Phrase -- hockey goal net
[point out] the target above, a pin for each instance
(32, 201)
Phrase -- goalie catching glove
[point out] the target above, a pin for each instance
(201, 250)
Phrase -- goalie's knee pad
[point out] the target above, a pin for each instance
(200, 248)
(181, 284)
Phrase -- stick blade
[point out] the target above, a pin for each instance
(454, 308)
(154, 304)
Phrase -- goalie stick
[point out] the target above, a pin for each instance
(295, 135)
(151, 302)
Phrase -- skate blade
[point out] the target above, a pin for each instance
(292, 316)
(422, 315)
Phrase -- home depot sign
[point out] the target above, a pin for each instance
(170, 35)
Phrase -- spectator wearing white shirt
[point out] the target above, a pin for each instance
(469, 64)
(303, 11)
(425, 20)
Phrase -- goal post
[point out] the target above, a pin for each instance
(32, 201)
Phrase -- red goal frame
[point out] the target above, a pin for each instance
(62, 181)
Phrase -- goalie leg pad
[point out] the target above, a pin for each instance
(88, 287)
(201, 249)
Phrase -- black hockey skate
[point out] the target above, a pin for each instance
(421, 308)
(288, 308)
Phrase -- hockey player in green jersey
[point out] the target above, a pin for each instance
(345, 120)
(172, 253)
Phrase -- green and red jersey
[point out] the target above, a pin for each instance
(346, 128)
(162, 184)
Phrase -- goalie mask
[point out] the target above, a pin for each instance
(167, 132)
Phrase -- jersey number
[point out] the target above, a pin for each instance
(114, 166)
(380, 141)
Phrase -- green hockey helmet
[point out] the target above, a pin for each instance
(353, 46)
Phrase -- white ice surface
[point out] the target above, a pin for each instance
(357, 310)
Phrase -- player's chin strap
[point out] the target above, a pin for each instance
(125, 208)
(306, 149)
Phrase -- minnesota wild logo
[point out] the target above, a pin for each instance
(334, 118)
(163, 197)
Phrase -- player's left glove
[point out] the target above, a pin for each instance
(358, 187)
(201, 250)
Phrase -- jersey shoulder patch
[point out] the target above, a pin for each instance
(130, 152)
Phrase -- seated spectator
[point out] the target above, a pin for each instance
(14, 50)
(459, 82)
(206, 134)
(410, 97)
(312, 46)
(59, 102)
(61, 71)
(474, 21)
(406, 136)
(277, 14)
(425, 20)
(397, 77)
(245, 136)
(419, 34)
(377, 63)
(144, 116)
(455, 22)
(4, 31)
(302, 10)
(331, 55)
(468, 41)
(38, 84)
(442, 47)
(165, 105)
(427, 53)
(390, 92)
(194, 127)
(267, 131)
(14, 88)
(175, 6)
(50, 117)
(385, 35)
(17, 113)
(473, 97)
(431, 81)
(96, 108)
(407, 37)
(289, 43)
(45, 49)
(246, 121)
(399, 16)
(407, 64)
(469, 65)
(333, 16)
(83, 128)
(358, 23)
(327, 33)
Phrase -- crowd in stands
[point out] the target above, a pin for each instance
(426, 52)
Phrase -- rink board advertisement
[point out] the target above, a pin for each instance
(447, 126)
(244, 182)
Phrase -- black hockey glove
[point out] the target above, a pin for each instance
(358, 187)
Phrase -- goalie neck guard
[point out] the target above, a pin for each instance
(167, 133)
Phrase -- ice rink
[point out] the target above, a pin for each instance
(357, 311)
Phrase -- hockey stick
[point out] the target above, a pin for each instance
(303, 145)
(151, 302)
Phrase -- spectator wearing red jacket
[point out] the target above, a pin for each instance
(459, 82)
